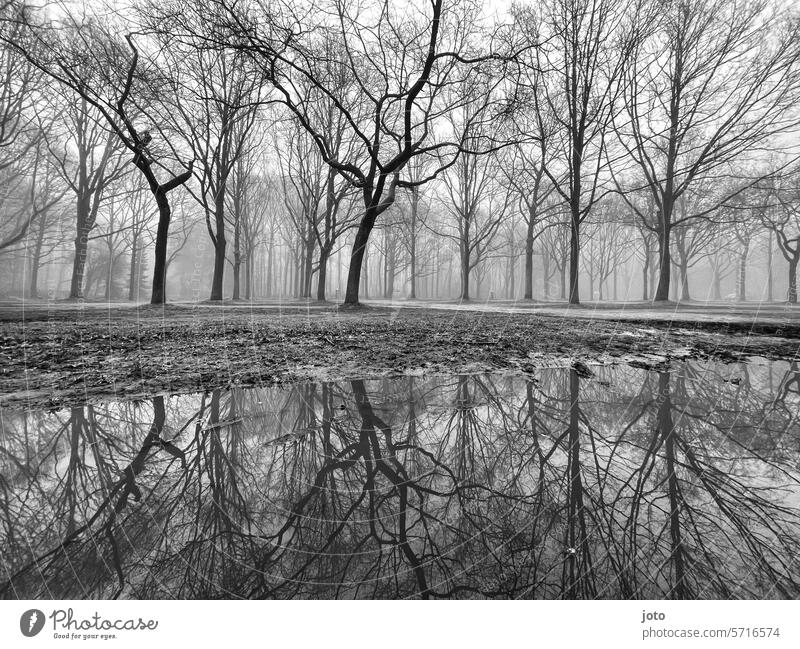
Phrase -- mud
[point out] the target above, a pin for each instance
(54, 357)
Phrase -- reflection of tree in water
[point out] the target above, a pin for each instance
(732, 530)
(682, 506)
(629, 484)
(75, 491)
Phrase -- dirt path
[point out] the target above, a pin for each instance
(65, 354)
(689, 313)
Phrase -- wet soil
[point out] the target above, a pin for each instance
(57, 356)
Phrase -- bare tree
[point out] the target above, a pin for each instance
(87, 157)
(781, 215)
(607, 251)
(477, 204)
(401, 60)
(715, 80)
(745, 230)
(251, 199)
(524, 172)
(212, 111)
(29, 191)
(257, 190)
(555, 248)
(581, 50)
(137, 212)
(693, 241)
(21, 163)
(50, 221)
(416, 210)
(87, 57)
(305, 185)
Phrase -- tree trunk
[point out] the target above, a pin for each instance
(133, 275)
(666, 431)
(237, 264)
(297, 287)
(546, 277)
(219, 246)
(716, 284)
(574, 258)
(529, 260)
(465, 261)
(338, 274)
(270, 254)
(769, 267)
(742, 284)
(237, 259)
(653, 274)
(512, 274)
(383, 268)
(79, 263)
(248, 275)
(110, 272)
(664, 265)
(684, 270)
(159, 294)
(357, 258)
(308, 261)
(577, 569)
(36, 260)
(324, 254)
(389, 274)
(366, 272)
(33, 291)
(412, 292)
(792, 296)
(464, 254)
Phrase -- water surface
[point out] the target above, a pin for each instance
(630, 483)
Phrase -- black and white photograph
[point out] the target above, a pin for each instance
(400, 300)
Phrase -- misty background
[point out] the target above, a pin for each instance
(600, 151)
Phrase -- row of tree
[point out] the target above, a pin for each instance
(600, 135)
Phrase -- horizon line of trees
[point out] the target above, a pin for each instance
(435, 144)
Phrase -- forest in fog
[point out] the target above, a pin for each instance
(580, 150)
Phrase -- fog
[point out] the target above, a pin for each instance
(626, 152)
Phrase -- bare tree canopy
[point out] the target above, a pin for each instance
(444, 149)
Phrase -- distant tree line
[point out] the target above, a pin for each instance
(329, 149)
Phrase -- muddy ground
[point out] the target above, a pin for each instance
(58, 356)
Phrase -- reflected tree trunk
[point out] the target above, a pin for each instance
(666, 431)
(578, 571)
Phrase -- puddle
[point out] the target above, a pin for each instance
(627, 483)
